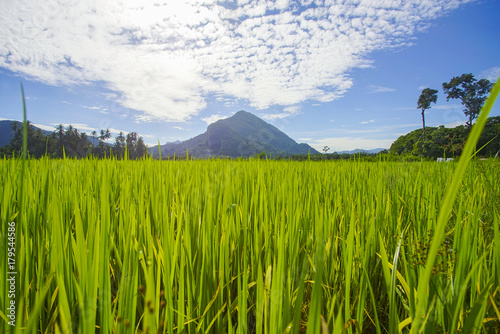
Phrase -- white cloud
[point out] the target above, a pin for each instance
(92, 108)
(81, 127)
(337, 144)
(392, 131)
(163, 59)
(45, 127)
(271, 117)
(287, 112)
(100, 110)
(117, 131)
(213, 118)
(492, 74)
(454, 124)
(293, 110)
(447, 106)
(367, 122)
(380, 89)
(439, 107)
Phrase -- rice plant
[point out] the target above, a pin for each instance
(250, 246)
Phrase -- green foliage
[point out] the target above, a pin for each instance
(427, 97)
(71, 143)
(470, 91)
(448, 142)
(258, 246)
(36, 141)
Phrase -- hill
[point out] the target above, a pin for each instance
(241, 135)
(6, 132)
(449, 142)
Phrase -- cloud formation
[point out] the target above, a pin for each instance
(164, 58)
(351, 143)
(380, 89)
(491, 74)
(287, 111)
(213, 118)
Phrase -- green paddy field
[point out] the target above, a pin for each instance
(250, 246)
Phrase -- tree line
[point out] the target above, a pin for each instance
(72, 143)
(448, 142)
(436, 142)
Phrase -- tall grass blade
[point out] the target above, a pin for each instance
(446, 207)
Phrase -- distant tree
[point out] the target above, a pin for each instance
(72, 142)
(136, 147)
(36, 141)
(131, 144)
(489, 142)
(58, 135)
(325, 149)
(105, 135)
(424, 102)
(120, 143)
(471, 92)
(102, 147)
(84, 145)
(141, 150)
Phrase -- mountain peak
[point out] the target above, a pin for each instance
(241, 135)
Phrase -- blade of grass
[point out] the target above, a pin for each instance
(446, 207)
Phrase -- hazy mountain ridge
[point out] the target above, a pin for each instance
(241, 135)
(370, 151)
(6, 133)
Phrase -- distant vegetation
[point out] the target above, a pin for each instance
(254, 246)
(72, 143)
(245, 135)
(448, 142)
(241, 135)
(249, 245)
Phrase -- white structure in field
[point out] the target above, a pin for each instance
(443, 159)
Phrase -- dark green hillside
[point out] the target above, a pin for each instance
(241, 135)
(5, 132)
(448, 142)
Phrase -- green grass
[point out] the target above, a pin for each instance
(255, 246)
(236, 246)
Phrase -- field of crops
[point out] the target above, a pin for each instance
(255, 246)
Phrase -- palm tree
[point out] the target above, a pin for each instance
(424, 102)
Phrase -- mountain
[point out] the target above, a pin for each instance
(356, 151)
(6, 132)
(241, 135)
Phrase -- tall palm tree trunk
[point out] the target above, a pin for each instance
(423, 122)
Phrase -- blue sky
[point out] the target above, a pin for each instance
(346, 74)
